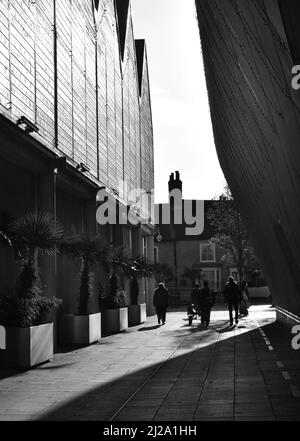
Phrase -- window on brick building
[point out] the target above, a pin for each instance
(212, 275)
(207, 252)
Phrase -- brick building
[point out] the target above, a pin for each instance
(192, 256)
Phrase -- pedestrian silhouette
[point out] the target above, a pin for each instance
(161, 302)
(206, 303)
(244, 298)
(232, 296)
(196, 297)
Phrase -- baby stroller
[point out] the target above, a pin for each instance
(192, 312)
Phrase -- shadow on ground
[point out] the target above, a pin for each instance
(181, 388)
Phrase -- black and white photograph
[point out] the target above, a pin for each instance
(149, 216)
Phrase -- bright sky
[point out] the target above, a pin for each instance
(183, 138)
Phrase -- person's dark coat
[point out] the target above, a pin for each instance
(232, 293)
(195, 296)
(161, 298)
(206, 297)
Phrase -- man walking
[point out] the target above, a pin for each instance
(161, 302)
(206, 303)
(233, 297)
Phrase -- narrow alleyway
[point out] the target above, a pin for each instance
(168, 373)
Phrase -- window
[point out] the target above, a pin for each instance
(212, 275)
(130, 238)
(155, 254)
(207, 252)
(145, 247)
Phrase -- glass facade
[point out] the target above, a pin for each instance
(61, 67)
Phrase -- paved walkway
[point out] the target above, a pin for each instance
(173, 372)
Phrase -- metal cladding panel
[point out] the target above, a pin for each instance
(22, 56)
(256, 120)
(131, 115)
(44, 69)
(5, 86)
(64, 76)
(147, 153)
(109, 97)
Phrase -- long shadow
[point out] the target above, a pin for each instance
(9, 372)
(229, 328)
(103, 402)
(149, 328)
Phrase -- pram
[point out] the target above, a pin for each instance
(193, 311)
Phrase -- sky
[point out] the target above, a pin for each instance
(183, 138)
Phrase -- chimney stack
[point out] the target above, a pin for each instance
(175, 182)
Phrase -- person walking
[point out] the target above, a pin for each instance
(233, 297)
(244, 299)
(161, 302)
(195, 298)
(206, 303)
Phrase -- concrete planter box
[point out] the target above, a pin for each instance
(115, 320)
(79, 329)
(27, 347)
(137, 314)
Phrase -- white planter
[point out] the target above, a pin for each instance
(79, 329)
(137, 314)
(115, 320)
(27, 347)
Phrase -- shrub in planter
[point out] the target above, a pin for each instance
(30, 235)
(113, 306)
(83, 328)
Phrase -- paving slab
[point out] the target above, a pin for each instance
(169, 373)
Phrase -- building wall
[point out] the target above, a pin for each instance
(256, 119)
(188, 257)
(131, 114)
(147, 150)
(61, 67)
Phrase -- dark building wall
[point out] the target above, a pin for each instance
(256, 115)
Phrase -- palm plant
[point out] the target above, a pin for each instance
(30, 235)
(88, 250)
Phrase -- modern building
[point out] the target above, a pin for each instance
(192, 256)
(75, 116)
(251, 52)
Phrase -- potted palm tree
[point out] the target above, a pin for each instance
(83, 327)
(113, 299)
(29, 335)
